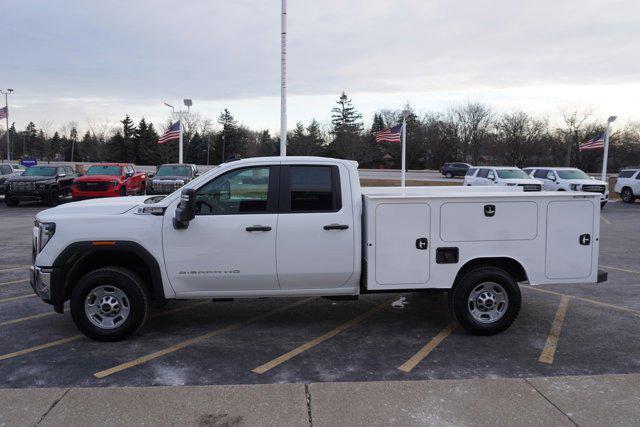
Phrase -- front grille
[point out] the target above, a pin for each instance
(166, 186)
(22, 187)
(530, 187)
(93, 186)
(591, 188)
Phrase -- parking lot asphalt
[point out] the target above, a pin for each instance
(582, 329)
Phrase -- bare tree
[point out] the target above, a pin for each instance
(574, 120)
(518, 134)
(473, 121)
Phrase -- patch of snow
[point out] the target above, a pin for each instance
(399, 303)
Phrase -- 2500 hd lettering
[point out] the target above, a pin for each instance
(302, 226)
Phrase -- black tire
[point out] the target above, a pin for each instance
(603, 204)
(143, 189)
(11, 202)
(461, 307)
(627, 195)
(448, 175)
(123, 191)
(53, 198)
(136, 299)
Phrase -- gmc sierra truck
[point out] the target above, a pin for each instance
(302, 226)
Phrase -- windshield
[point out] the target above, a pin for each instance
(511, 173)
(176, 170)
(572, 174)
(40, 171)
(105, 170)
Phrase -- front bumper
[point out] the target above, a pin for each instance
(41, 282)
(32, 195)
(79, 194)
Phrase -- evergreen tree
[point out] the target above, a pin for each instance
(55, 145)
(129, 152)
(146, 143)
(232, 141)
(268, 146)
(347, 128)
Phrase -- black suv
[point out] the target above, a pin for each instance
(454, 169)
(168, 178)
(45, 183)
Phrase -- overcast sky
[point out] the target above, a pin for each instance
(93, 61)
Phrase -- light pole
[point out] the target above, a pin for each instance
(283, 79)
(605, 157)
(6, 104)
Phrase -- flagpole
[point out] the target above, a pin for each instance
(605, 157)
(6, 104)
(404, 149)
(283, 79)
(180, 149)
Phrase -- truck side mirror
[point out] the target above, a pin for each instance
(186, 210)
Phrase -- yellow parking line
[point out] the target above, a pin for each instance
(314, 342)
(424, 351)
(24, 319)
(590, 301)
(18, 297)
(74, 337)
(619, 269)
(40, 347)
(191, 341)
(549, 350)
(14, 281)
(605, 219)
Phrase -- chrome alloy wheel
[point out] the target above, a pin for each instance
(488, 302)
(107, 307)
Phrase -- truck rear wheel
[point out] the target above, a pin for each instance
(110, 304)
(485, 301)
(627, 195)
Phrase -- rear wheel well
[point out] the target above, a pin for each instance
(80, 265)
(507, 264)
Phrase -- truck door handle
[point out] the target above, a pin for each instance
(336, 227)
(258, 228)
(585, 239)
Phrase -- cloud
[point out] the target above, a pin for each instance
(114, 55)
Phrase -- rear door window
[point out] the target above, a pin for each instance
(312, 189)
(541, 173)
(483, 173)
(626, 174)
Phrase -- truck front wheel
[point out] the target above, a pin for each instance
(110, 304)
(485, 301)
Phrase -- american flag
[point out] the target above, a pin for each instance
(4, 112)
(172, 133)
(593, 144)
(390, 134)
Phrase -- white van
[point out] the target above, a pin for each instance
(569, 179)
(501, 175)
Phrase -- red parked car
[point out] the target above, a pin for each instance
(109, 180)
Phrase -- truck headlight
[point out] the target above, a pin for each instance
(575, 187)
(46, 230)
(40, 185)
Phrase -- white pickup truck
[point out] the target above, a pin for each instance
(302, 226)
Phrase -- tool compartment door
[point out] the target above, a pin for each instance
(402, 243)
(570, 239)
